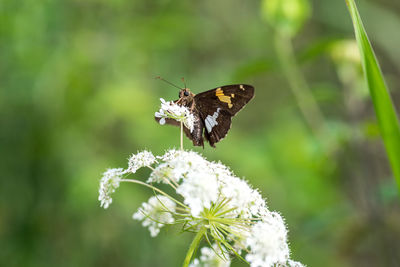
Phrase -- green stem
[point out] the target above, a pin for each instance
(181, 135)
(155, 189)
(193, 247)
(298, 84)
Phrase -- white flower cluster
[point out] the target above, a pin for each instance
(108, 183)
(211, 200)
(267, 241)
(156, 213)
(112, 177)
(171, 110)
(139, 160)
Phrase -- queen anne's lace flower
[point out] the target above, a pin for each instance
(108, 183)
(139, 160)
(178, 165)
(246, 201)
(161, 173)
(267, 241)
(211, 200)
(199, 190)
(170, 154)
(220, 169)
(186, 164)
(171, 110)
(156, 213)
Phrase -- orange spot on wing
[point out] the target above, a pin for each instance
(223, 98)
(219, 92)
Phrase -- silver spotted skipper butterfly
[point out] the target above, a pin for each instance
(212, 110)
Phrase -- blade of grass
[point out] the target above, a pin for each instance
(383, 105)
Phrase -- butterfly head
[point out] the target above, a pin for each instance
(185, 97)
(186, 93)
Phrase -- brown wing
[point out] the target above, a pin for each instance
(231, 98)
(217, 126)
(168, 121)
(219, 105)
(176, 123)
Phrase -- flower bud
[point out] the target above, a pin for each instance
(345, 51)
(286, 16)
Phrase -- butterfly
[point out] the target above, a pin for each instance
(212, 110)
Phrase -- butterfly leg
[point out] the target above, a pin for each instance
(192, 107)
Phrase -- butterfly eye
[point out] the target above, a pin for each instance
(186, 93)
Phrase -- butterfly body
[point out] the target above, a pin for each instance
(213, 111)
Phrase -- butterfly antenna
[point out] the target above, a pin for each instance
(162, 79)
(184, 82)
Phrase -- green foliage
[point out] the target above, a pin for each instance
(384, 108)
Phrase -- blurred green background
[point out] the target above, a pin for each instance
(78, 95)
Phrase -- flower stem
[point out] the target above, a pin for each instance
(155, 189)
(298, 84)
(181, 135)
(193, 247)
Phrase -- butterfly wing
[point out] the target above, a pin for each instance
(219, 105)
(168, 121)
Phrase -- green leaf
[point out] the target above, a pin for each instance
(383, 105)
